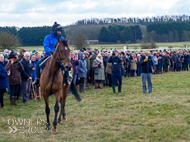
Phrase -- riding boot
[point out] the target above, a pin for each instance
(96, 85)
(37, 79)
(113, 87)
(119, 89)
(66, 78)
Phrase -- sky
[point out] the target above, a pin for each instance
(31, 13)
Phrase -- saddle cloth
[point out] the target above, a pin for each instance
(43, 63)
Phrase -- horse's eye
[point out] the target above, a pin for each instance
(60, 51)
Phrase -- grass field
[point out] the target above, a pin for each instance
(163, 115)
(118, 46)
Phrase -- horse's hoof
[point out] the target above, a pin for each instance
(59, 121)
(53, 131)
(64, 118)
(47, 128)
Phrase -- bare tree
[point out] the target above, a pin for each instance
(79, 40)
(8, 41)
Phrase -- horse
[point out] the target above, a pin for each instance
(51, 81)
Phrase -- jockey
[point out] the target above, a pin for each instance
(49, 42)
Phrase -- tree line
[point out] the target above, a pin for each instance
(169, 32)
(120, 34)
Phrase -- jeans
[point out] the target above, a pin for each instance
(147, 76)
(160, 68)
(116, 76)
(139, 70)
(14, 91)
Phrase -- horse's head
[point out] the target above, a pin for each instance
(62, 52)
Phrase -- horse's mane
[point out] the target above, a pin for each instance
(64, 42)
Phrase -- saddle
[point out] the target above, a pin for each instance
(44, 63)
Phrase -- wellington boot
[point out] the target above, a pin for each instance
(113, 87)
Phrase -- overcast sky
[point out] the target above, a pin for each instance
(22, 13)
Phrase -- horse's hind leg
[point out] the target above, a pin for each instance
(59, 119)
(56, 109)
(64, 96)
(47, 110)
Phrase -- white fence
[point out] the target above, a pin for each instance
(136, 50)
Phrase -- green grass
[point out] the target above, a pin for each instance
(118, 46)
(163, 115)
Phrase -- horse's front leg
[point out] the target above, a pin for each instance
(56, 109)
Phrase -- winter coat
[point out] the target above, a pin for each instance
(166, 62)
(108, 68)
(133, 64)
(15, 69)
(75, 63)
(179, 61)
(49, 42)
(116, 63)
(27, 72)
(186, 59)
(126, 62)
(105, 60)
(87, 63)
(82, 71)
(34, 73)
(92, 59)
(174, 58)
(3, 77)
(155, 60)
(100, 75)
(146, 66)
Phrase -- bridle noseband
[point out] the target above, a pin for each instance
(60, 59)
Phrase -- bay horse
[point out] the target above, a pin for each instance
(51, 81)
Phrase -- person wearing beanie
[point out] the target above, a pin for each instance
(14, 68)
(49, 42)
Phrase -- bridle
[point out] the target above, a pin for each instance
(60, 59)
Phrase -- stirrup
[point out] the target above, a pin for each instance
(36, 81)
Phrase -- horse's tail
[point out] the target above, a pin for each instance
(76, 94)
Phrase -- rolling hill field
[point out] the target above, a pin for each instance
(163, 115)
(118, 46)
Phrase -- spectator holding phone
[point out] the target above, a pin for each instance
(147, 70)
(14, 69)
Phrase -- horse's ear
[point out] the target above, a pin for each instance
(58, 39)
(67, 39)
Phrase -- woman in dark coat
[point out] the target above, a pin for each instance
(15, 69)
(3, 82)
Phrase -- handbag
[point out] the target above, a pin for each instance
(96, 71)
